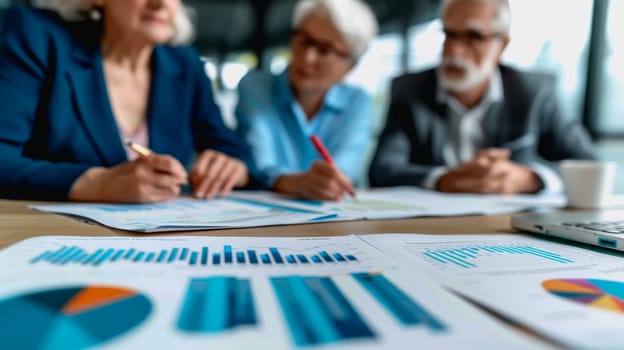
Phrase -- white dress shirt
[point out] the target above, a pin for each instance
(465, 131)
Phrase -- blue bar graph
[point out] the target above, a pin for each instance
(265, 259)
(173, 255)
(118, 255)
(277, 257)
(227, 254)
(184, 254)
(467, 257)
(161, 256)
(317, 312)
(202, 257)
(139, 256)
(399, 304)
(326, 256)
(253, 258)
(217, 304)
(129, 254)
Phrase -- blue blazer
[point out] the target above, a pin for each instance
(55, 116)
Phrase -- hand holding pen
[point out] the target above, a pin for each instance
(323, 181)
(322, 150)
(148, 179)
(213, 174)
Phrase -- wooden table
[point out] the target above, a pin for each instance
(18, 222)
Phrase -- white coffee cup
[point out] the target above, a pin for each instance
(588, 184)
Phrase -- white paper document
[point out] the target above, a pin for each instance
(260, 208)
(572, 295)
(186, 214)
(229, 293)
(406, 202)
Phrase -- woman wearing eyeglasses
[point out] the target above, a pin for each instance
(277, 115)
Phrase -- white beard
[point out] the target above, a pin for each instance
(473, 75)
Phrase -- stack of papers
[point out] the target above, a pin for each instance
(259, 208)
(229, 293)
(573, 295)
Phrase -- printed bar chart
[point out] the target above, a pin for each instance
(201, 257)
(217, 304)
(317, 312)
(399, 304)
(466, 257)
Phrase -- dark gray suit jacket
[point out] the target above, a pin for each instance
(416, 130)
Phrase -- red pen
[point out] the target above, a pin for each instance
(322, 150)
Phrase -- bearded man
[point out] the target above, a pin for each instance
(474, 125)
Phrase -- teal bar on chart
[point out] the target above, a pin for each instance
(253, 257)
(317, 312)
(217, 304)
(227, 254)
(398, 304)
(204, 256)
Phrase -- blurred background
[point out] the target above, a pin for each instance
(575, 40)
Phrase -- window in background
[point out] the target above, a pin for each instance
(373, 73)
(225, 78)
(375, 70)
(426, 41)
(538, 43)
(544, 39)
(278, 59)
(611, 120)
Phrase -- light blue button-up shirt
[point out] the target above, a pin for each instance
(277, 131)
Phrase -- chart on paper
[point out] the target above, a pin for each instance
(196, 253)
(314, 308)
(482, 253)
(214, 256)
(229, 292)
(70, 318)
(571, 294)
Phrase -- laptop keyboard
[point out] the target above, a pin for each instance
(615, 227)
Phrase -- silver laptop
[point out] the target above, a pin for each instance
(601, 228)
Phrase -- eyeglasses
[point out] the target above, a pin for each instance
(470, 38)
(303, 40)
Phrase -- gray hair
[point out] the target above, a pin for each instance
(76, 10)
(353, 18)
(502, 19)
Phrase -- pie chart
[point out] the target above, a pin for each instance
(602, 294)
(70, 318)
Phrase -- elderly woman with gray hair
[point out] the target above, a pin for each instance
(81, 79)
(277, 115)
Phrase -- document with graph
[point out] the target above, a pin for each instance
(186, 214)
(571, 294)
(406, 202)
(229, 293)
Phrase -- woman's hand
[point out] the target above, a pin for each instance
(323, 181)
(215, 174)
(150, 179)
